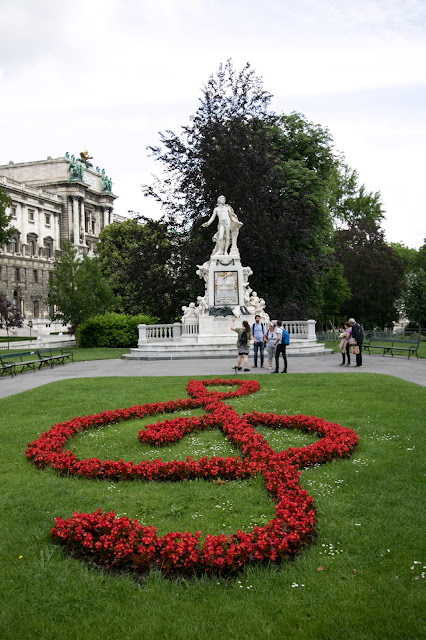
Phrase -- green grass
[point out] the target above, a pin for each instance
(421, 352)
(359, 581)
(80, 355)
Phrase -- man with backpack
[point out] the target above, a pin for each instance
(282, 341)
(258, 331)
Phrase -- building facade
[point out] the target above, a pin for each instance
(52, 200)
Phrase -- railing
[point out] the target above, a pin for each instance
(191, 328)
(298, 329)
(159, 332)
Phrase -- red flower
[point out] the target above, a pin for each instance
(120, 542)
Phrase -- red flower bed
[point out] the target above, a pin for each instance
(120, 542)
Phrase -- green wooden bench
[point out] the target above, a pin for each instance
(392, 346)
(14, 362)
(23, 360)
(56, 355)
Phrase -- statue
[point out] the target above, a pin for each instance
(190, 311)
(203, 272)
(106, 184)
(255, 304)
(84, 157)
(203, 305)
(76, 169)
(227, 230)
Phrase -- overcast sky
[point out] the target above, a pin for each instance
(108, 75)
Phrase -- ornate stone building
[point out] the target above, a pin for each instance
(52, 200)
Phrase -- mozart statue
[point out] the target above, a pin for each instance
(227, 230)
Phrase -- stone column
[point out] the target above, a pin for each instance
(311, 330)
(76, 217)
(83, 222)
(106, 216)
(142, 335)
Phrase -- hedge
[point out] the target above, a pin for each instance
(112, 330)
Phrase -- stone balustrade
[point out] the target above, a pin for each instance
(298, 329)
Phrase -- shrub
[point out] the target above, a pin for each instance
(112, 330)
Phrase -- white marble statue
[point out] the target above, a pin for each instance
(203, 272)
(190, 311)
(203, 305)
(227, 230)
(255, 304)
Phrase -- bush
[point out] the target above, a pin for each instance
(112, 330)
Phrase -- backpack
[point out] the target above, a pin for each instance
(243, 339)
(285, 337)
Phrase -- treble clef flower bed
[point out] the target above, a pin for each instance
(122, 543)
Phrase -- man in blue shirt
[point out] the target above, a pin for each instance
(258, 330)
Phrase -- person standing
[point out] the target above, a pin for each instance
(345, 345)
(358, 337)
(258, 330)
(271, 338)
(244, 337)
(281, 344)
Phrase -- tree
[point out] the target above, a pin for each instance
(335, 291)
(274, 170)
(77, 290)
(6, 231)
(374, 273)
(408, 256)
(414, 297)
(9, 315)
(138, 261)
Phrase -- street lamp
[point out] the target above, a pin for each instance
(30, 324)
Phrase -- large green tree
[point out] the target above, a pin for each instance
(274, 171)
(77, 290)
(414, 297)
(139, 262)
(373, 270)
(6, 231)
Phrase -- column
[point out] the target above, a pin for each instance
(106, 217)
(76, 217)
(83, 222)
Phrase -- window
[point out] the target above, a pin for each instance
(93, 227)
(17, 275)
(32, 247)
(35, 275)
(31, 215)
(13, 245)
(48, 250)
(36, 312)
(13, 211)
(47, 219)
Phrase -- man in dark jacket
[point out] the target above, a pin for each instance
(358, 336)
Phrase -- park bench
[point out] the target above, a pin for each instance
(14, 362)
(56, 355)
(392, 346)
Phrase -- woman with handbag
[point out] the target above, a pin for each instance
(344, 344)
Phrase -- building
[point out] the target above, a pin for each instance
(52, 200)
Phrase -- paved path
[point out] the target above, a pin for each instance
(411, 369)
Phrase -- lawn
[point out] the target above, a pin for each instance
(334, 344)
(362, 578)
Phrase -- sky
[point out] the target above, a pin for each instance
(109, 75)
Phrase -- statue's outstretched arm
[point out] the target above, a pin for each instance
(208, 223)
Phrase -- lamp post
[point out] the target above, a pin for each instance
(30, 324)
